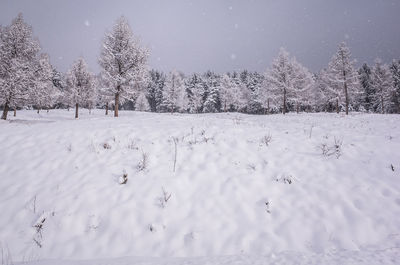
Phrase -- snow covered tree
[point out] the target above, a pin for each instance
(212, 101)
(343, 78)
(141, 103)
(123, 61)
(228, 92)
(195, 91)
(368, 91)
(43, 93)
(155, 89)
(59, 84)
(395, 100)
(104, 94)
(18, 50)
(287, 81)
(302, 82)
(382, 84)
(321, 92)
(174, 93)
(80, 85)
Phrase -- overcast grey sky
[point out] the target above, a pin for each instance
(221, 35)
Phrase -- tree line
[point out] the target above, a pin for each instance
(27, 79)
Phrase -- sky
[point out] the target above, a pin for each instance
(219, 35)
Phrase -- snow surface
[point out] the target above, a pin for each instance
(246, 189)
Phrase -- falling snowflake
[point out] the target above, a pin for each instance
(233, 56)
(87, 23)
(236, 26)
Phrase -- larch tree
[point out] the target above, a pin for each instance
(343, 78)
(80, 85)
(303, 84)
(43, 93)
(123, 62)
(287, 81)
(382, 83)
(18, 51)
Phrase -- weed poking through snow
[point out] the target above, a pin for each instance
(266, 139)
(162, 201)
(123, 179)
(142, 165)
(106, 146)
(335, 149)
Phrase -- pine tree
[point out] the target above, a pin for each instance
(382, 83)
(195, 91)
(18, 51)
(368, 91)
(80, 85)
(155, 89)
(343, 78)
(123, 61)
(174, 93)
(395, 99)
(212, 101)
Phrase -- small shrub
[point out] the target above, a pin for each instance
(132, 145)
(106, 146)
(266, 139)
(142, 165)
(164, 199)
(286, 179)
(335, 149)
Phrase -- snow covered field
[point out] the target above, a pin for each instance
(294, 189)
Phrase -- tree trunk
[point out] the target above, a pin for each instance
(107, 108)
(284, 101)
(15, 112)
(337, 106)
(383, 109)
(347, 98)
(38, 110)
(267, 106)
(5, 111)
(47, 110)
(116, 104)
(225, 107)
(297, 108)
(76, 110)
